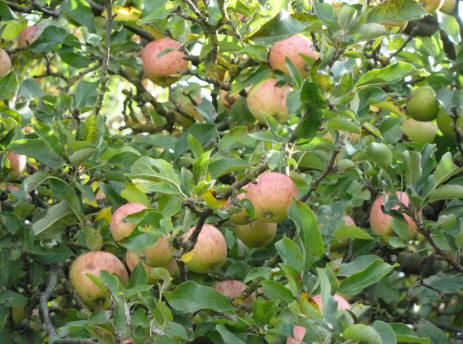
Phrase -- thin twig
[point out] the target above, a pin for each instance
(35, 6)
(407, 40)
(75, 341)
(458, 137)
(44, 297)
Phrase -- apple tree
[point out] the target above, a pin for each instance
(240, 171)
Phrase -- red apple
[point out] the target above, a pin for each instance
(132, 258)
(119, 228)
(298, 333)
(267, 98)
(257, 233)
(380, 222)
(169, 63)
(292, 48)
(17, 163)
(29, 35)
(5, 63)
(210, 251)
(93, 263)
(342, 302)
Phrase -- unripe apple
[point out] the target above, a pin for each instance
(267, 98)
(292, 48)
(271, 195)
(29, 35)
(210, 251)
(343, 304)
(422, 104)
(5, 63)
(380, 222)
(431, 5)
(448, 6)
(401, 25)
(119, 228)
(419, 132)
(132, 258)
(93, 263)
(17, 163)
(169, 63)
(445, 123)
(257, 233)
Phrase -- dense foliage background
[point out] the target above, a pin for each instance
(97, 135)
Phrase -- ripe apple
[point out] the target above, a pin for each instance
(267, 98)
(5, 63)
(380, 222)
(232, 289)
(431, 5)
(257, 233)
(343, 304)
(119, 228)
(17, 163)
(210, 251)
(422, 104)
(419, 132)
(29, 35)
(169, 63)
(448, 6)
(292, 48)
(348, 220)
(445, 123)
(271, 195)
(93, 263)
(132, 258)
(298, 333)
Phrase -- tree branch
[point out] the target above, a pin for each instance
(44, 297)
(34, 6)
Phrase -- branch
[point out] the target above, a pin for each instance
(328, 170)
(458, 137)
(75, 341)
(35, 6)
(407, 40)
(44, 297)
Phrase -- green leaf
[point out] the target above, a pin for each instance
(191, 297)
(278, 28)
(8, 85)
(388, 75)
(396, 10)
(274, 290)
(356, 282)
(413, 171)
(362, 333)
(434, 333)
(220, 167)
(10, 298)
(290, 253)
(307, 232)
(120, 318)
(352, 232)
(29, 88)
(37, 149)
(33, 181)
(446, 283)
(227, 336)
(405, 334)
(195, 146)
(80, 12)
(385, 331)
(53, 215)
(445, 169)
(381, 154)
(340, 123)
(447, 191)
(312, 95)
(358, 264)
(263, 310)
(50, 40)
(449, 24)
(200, 166)
(86, 93)
(203, 132)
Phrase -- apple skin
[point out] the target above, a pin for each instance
(210, 251)
(380, 222)
(17, 163)
(168, 64)
(448, 6)
(271, 195)
(445, 123)
(419, 132)
(257, 233)
(298, 333)
(5, 63)
(232, 289)
(29, 35)
(119, 228)
(343, 304)
(132, 258)
(93, 263)
(291, 48)
(431, 5)
(266, 98)
(422, 104)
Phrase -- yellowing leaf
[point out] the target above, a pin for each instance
(93, 203)
(187, 257)
(105, 214)
(213, 202)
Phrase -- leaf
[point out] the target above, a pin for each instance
(37, 149)
(10, 298)
(33, 181)
(202, 132)
(191, 297)
(381, 154)
(445, 169)
(405, 334)
(277, 29)
(50, 40)
(200, 165)
(339, 123)
(307, 231)
(80, 12)
(86, 93)
(220, 167)
(53, 215)
(396, 10)
(274, 290)
(227, 336)
(388, 75)
(263, 310)
(434, 333)
(138, 276)
(8, 85)
(385, 331)
(312, 95)
(358, 264)
(356, 282)
(446, 283)
(362, 333)
(447, 191)
(352, 232)
(290, 253)
(29, 88)
(413, 171)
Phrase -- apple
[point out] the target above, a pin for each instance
(17, 163)
(448, 6)
(267, 98)
(169, 63)
(132, 258)
(298, 333)
(29, 35)
(445, 123)
(210, 251)
(348, 221)
(5, 63)
(419, 132)
(226, 100)
(93, 263)
(431, 5)
(119, 228)
(343, 304)
(422, 104)
(400, 25)
(232, 289)
(380, 222)
(271, 195)
(292, 48)
(257, 233)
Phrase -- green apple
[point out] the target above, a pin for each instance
(445, 123)
(422, 104)
(257, 233)
(419, 132)
(448, 6)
